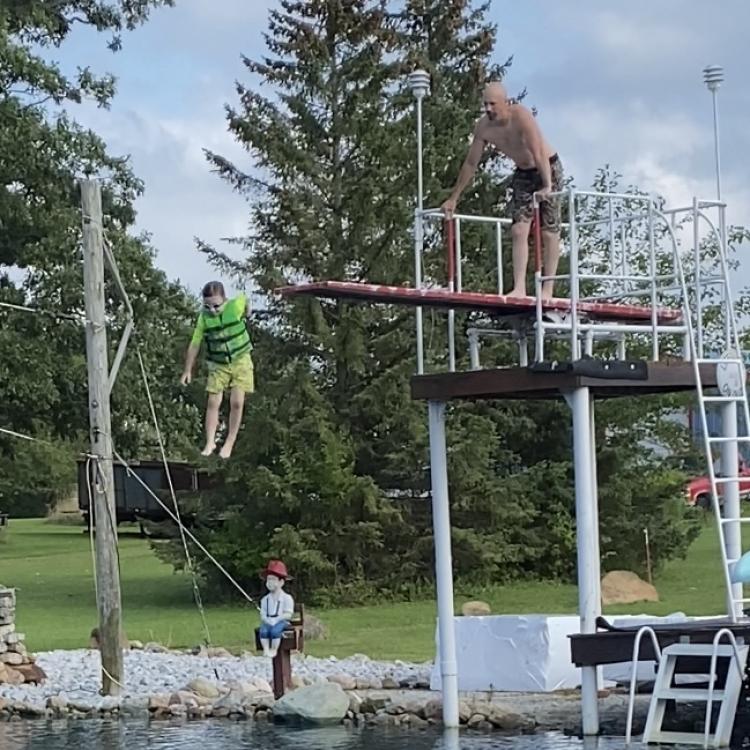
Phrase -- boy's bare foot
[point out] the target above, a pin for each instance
(209, 449)
(226, 450)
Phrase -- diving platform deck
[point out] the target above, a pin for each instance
(605, 379)
(614, 645)
(496, 304)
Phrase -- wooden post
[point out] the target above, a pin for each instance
(102, 482)
(282, 672)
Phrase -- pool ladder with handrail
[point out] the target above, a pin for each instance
(664, 691)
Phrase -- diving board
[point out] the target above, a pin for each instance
(497, 304)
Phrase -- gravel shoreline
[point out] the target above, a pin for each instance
(75, 674)
(168, 684)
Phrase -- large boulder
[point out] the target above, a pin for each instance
(203, 687)
(346, 681)
(314, 629)
(32, 673)
(625, 587)
(322, 703)
(476, 609)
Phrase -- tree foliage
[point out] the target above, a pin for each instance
(43, 152)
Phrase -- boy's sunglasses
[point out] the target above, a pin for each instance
(212, 308)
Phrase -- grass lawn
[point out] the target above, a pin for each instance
(51, 567)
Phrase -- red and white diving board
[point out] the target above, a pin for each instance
(497, 304)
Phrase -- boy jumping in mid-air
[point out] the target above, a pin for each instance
(230, 367)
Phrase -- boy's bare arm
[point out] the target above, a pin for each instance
(190, 357)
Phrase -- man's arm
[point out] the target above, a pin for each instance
(532, 137)
(468, 169)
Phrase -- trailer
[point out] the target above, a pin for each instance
(133, 502)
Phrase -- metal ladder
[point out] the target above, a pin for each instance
(729, 369)
(727, 698)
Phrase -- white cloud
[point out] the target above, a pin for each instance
(640, 38)
(183, 199)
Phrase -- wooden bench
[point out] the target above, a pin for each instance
(293, 639)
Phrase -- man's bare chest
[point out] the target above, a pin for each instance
(504, 138)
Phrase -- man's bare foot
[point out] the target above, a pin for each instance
(226, 450)
(209, 449)
(517, 293)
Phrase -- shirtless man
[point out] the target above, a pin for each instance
(513, 131)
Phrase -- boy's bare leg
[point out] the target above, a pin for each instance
(212, 422)
(236, 404)
(551, 243)
(519, 233)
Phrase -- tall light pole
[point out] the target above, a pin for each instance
(419, 83)
(713, 75)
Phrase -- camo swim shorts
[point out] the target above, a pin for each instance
(524, 184)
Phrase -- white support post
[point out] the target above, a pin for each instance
(473, 337)
(443, 563)
(587, 532)
(731, 494)
(523, 350)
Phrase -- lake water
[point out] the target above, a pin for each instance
(225, 735)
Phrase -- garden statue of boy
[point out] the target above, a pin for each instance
(276, 607)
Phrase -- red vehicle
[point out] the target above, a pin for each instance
(698, 490)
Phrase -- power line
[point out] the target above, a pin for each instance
(173, 516)
(79, 318)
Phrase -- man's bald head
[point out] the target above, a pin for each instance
(496, 90)
(495, 101)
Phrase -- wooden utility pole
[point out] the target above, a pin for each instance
(102, 476)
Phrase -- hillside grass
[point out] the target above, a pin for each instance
(50, 565)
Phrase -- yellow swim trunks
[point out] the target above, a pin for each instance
(237, 374)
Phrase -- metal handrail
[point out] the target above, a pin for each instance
(712, 675)
(631, 701)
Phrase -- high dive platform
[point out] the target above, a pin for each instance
(645, 307)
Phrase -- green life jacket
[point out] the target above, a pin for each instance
(226, 336)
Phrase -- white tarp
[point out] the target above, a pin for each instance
(530, 653)
(512, 653)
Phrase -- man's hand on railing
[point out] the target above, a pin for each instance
(449, 207)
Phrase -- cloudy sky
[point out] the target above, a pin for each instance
(614, 83)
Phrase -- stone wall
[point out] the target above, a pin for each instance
(16, 664)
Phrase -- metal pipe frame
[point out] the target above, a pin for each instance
(616, 328)
(499, 253)
(623, 218)
(418, 250)
(654, 300)
(697, 276)
(516, 334)
(574, 281)
(687, 209)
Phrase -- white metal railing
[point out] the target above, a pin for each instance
(724, 632)
(621, 249)
(634, 674)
